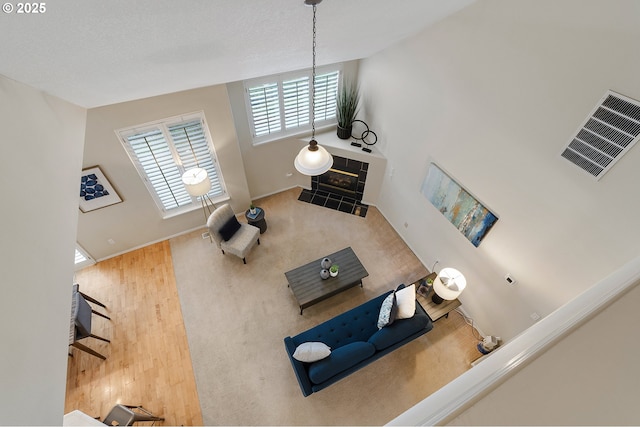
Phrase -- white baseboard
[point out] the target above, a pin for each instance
(279, 191)
(151, 243)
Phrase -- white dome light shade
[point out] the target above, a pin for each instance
(314, 161)
(196, 181)
(449, 283)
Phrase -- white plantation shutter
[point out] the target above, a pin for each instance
(326, 90)
(82, 258)
(295, 95)
(156, 159)
(280, 105)
(162, 152)
(265, 109)
(193, 132)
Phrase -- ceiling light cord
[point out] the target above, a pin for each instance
(313, 79)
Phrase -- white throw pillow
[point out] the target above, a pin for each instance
(311, 351)
(406, 300)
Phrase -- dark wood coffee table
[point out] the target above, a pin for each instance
(309, 288)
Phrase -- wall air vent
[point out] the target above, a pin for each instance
(611, 129)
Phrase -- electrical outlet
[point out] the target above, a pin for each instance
(111, 241)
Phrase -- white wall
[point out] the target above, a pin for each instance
(40, 168)
(492, 94)
(137, 221)
(588, 378)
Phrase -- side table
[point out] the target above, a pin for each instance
(257, 220)
(435, 311)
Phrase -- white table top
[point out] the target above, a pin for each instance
(79, 418)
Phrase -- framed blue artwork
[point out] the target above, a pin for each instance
(96, 191)
(463, 210)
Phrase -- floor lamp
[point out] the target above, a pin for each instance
(197, 183)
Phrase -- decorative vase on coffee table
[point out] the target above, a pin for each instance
(325, 263)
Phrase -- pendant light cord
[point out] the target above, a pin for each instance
(313, 79)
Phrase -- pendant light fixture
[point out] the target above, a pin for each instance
(313, 159)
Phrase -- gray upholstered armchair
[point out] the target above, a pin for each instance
(230, 235)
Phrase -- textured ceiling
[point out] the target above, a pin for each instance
(100, 52)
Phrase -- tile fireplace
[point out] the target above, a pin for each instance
(340, 188)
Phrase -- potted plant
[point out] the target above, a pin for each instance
(425, 286)
(252, 209)
(333, 270)
(347, 108)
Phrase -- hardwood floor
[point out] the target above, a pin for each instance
(148, 361)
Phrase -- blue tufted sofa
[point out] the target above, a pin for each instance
(355, 341)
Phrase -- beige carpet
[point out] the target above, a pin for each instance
(237, 315)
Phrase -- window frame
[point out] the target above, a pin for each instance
(163, 125)
(280, 79)
(88, 259)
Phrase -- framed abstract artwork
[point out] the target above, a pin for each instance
(463, 210)
(96, 191)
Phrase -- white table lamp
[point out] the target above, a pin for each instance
(448, 285)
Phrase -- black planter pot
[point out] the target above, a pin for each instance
(344, 133)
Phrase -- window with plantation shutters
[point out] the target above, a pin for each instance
(280, 106)
(82, 258)
(163, 151)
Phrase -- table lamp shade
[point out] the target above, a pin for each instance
(449, 283)
(196, 181)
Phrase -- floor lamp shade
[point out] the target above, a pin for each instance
(313, 162)
(196, 181)
(449, 284)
